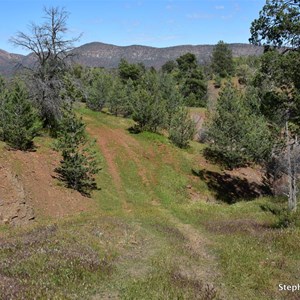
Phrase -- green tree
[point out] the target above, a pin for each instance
(238, 135)
(169, 66)
(19, 122)
(217, 81)
(244, 74)
(79, 163)
(187, 62)
(182, 128)
(99, 90)
(280, 93)
(278, 24)
(194, 88)
(170, 94)
(222, 61)
(191, 80)
(130, 71)
(118, 101)
(148, 110)
(147, 104)
(72, 89)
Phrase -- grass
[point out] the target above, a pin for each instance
(140, 241)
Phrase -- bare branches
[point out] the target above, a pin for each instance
(50, 50)
(47, 41)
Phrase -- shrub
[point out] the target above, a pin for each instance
(238, 134)
(218, 82)
(79, 164)
(19, 122)
(99, 91)
(182, 128)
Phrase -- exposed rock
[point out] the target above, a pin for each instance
(108, 56)
(14, 208)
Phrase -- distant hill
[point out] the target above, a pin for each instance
(9, 62)
(108, 56)
(98, 54)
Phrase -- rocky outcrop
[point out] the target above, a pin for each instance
(14, 207)
(108, 56)
(9, 62)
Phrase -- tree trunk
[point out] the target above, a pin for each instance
(292, 174)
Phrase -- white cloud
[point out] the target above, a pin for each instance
(226, 17)
(199, 16)
(219, 7)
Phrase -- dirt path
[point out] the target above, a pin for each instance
(116, 143)
(112, 142)
(206, 270)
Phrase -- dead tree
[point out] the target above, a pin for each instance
(50, 53)
(284, 168)
(292, 168)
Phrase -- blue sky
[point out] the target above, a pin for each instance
(157, 23)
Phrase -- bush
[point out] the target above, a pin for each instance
(148, 110)
(238, 133)
(218, 82)
(118, 100)
(182, 128)
(79, 164)
(99, 91)
(19, 122)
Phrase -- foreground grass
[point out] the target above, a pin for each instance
(144, 250)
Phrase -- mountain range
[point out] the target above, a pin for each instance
(98, 54)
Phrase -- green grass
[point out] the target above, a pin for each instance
(140, 251)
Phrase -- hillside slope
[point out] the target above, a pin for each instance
(109, 56)
(104, 55)
(158, 227)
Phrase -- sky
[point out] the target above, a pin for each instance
(157, 23)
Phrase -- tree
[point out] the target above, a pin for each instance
(222, 62)
(147, 104)
(278, 83)
(182, 128)
(79, 163)
(148, 110)
(187, 62)
(217, 81)
(118, 102)
(99, 91)
(237, 134)
(130, 71)
(194, 88)
(19, 122)
(278, 24)
(170, 94)
(50, 50)
(169, 66)
(191, 80)
(244, 74)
